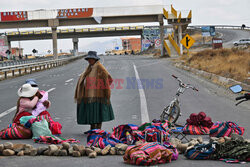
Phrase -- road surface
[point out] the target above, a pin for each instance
(229, 36)
(217, 102)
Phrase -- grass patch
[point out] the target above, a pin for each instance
(231, 63)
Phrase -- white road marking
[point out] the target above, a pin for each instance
(51, 90)
(149, 64)
(102, 58)
(14, 108)
(69, 80)
(144, 108)
(7, 112)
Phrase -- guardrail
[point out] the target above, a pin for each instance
(12, 71)
(220, 27)
(74, 30)
(25, 61)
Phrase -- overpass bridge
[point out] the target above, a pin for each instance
(75, 33)
(89, 16)
(80, 16)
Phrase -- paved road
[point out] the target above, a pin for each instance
(217, 102)
(230, 36)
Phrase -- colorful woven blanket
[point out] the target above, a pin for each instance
(100, 138)
(54, 140)
(120, 132)
(195, 129)
(147, 154)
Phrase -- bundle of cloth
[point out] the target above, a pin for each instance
(43, 130)
(198, 124)
(146, 154)
(55, 127)
(129, 134)
(200, 119)
(232, 151)
(100, 138)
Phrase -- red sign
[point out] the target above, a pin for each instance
(75, 13)
(217, 43)
(14, 16)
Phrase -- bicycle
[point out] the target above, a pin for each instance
(172, 111)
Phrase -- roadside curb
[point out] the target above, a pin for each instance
(223, 81)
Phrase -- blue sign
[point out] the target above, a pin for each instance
(208, 31)
(212, 30)
(116, 48)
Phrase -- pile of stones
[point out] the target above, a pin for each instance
(10, 149)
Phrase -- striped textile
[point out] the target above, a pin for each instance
(120, 131)
(195, 129)
(221, 129)
(54, 140)
(171, 148)
(37, 119)
(156, 133)
(200, 151)
(100, 138)
(55, 127)
(147, 154)
(164, 125)
(15, 131)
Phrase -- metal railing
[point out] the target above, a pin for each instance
(26, 61)
(16, 70)
(219, 27)
(74, 30)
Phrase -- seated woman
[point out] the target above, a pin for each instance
(28, 99)
(43, 103)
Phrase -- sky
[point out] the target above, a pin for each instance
(205, 12)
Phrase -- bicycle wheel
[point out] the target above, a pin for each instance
(171, 114)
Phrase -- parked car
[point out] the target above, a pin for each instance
(242, 42)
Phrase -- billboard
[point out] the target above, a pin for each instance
(75, 13)
(208, 31)
(3, 47)
(14, 16)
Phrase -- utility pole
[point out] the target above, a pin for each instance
(19, 45)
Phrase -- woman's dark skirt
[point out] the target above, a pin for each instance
(93, 113)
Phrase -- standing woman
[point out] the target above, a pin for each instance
(92, 94)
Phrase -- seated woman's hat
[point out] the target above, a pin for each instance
(92, 55)
(27, 91)
(32, 82)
